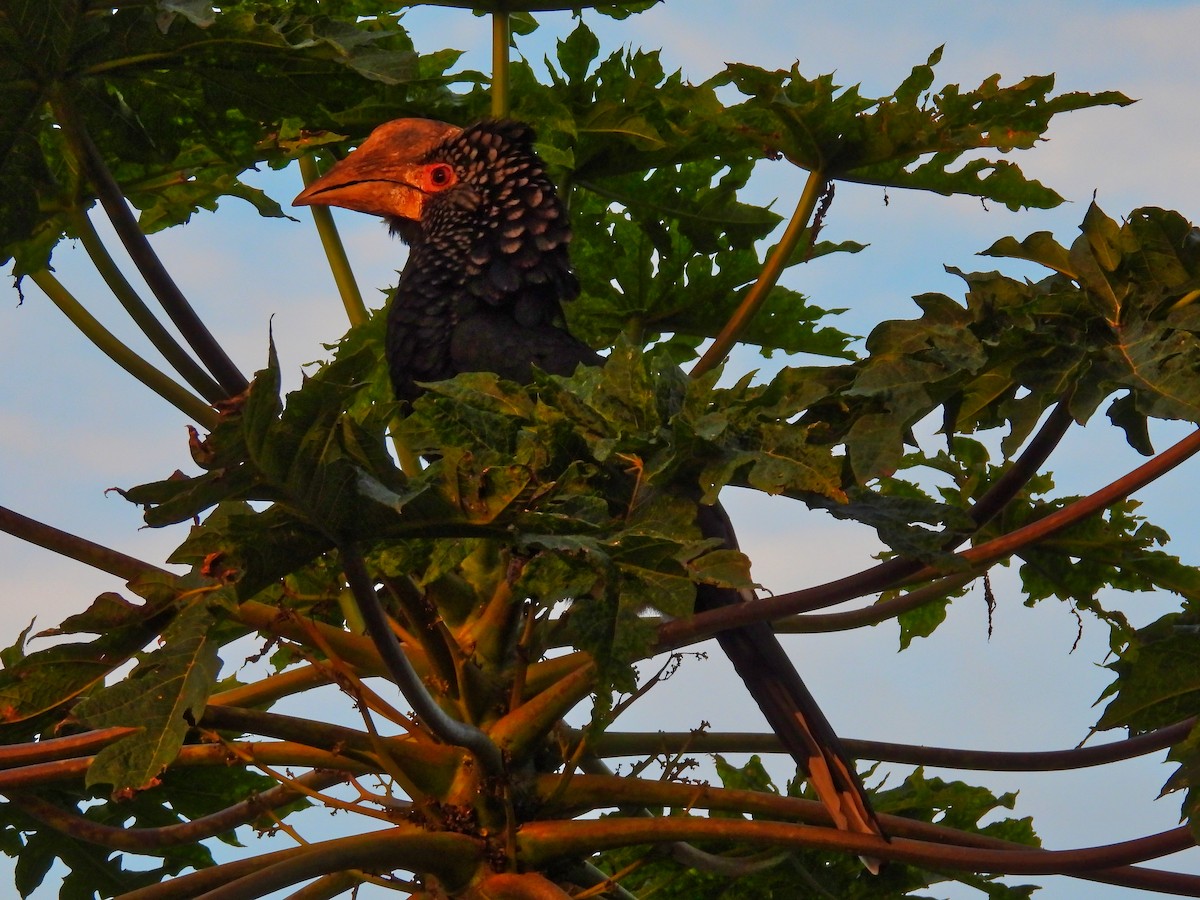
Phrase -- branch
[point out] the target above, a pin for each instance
(116, 350)
(429, 631)
(517, 730)
(268, 690)
(80, 549)
(452, 731)
(149, 840)
(309, 732)
(334, 738)
(542, 842)
(590, 792)
(501, 39)
(282, 753)
(328, 886)
(730, 866)
(627, 743)
(776, 262)
(14, 756)
(272, 620)
(895, 571)
(1006, 545)
(818, 623)
(162, 339)
(872, 614)
(443, 855)
(108, 191)
(1009, 484)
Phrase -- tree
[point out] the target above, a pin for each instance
(167, 104)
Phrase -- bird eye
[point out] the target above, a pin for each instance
(438, 176)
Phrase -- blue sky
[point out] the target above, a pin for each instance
(71, 425)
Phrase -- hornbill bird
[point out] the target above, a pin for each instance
(487, 273)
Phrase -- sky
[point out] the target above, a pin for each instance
(72, 425)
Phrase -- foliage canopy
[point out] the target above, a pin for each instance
(124, 740)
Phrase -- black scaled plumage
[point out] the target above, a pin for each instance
(484, 283)
(482, 290)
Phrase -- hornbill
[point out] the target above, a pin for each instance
(487, 273)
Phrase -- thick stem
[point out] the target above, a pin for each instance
(265, 691)
(335, 251)
(76, 548)
(447, 856)
(14, 756)
(614, 744)
(522, 886)
(542, 842)
(892, 572)
(143, 840)
(501, 38)
(405, 677)
(817, 623)
(518, 730)
(172, 352)
(451, 857)
(210, 352)
(171, 391)
(776, 262)
(591, 792)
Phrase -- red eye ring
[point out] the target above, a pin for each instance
(438, 177)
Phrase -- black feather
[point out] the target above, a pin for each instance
(488, 271)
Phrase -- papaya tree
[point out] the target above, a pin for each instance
(407, 639)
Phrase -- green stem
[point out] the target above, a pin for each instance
(501, 38)
(410, 464)
(162, 340)
(520, 729)
(446, 856)
(171, 391)
(147, 840)
(266, 691)
(449, 857)
(776, 262)
(335, 252)
(404, 676)
(155, 274)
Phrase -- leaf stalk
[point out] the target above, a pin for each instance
(159, 382)
(772, 269)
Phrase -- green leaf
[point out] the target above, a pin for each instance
(910, 139)
(578, 52)
(753, 776)
(162, 697)
(1158, 677)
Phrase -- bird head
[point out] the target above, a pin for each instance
(423, 176)
(475, 203)
(393, 173)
